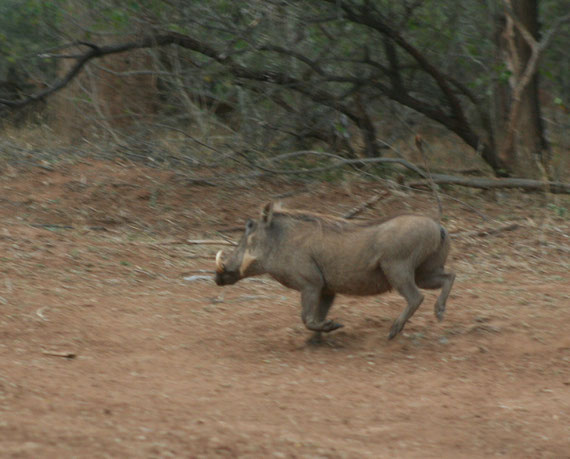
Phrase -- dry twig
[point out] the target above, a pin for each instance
(67, 355)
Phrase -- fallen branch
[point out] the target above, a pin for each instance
(440, 179)
(488, 183)
(366, 204)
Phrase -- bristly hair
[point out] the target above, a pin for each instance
(329, 221)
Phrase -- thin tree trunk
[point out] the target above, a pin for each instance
(531, 128)
(518, 116)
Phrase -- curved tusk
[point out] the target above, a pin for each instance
(219, 262)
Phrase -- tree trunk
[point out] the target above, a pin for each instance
(531, 128)
(518, 121)
(367, 129)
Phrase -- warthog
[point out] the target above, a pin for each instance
(321, 256)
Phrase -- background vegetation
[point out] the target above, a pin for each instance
(244, 82)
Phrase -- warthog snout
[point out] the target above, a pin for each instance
(223, 276)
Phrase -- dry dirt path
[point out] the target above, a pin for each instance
(107, 351)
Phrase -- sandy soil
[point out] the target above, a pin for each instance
(108, 350)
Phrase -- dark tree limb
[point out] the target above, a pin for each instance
(364, 15)
(95, 51)
(313, 91)
(456, 121)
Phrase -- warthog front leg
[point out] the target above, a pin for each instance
(325, 303)
(316, 305)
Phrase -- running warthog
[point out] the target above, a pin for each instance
(321, 256)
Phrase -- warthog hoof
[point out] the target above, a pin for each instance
(397, 327)
(326, 326)
(439, 311)
(331, 325)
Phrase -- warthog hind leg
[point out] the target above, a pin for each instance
(435, 280)
(403, 281)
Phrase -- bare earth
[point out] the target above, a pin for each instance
(106, 350)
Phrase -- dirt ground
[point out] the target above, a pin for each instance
(109, 348)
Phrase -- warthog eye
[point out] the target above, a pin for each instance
(249, 226)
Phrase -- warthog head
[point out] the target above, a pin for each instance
(246, 259)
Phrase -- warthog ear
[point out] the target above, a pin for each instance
(267, 213)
